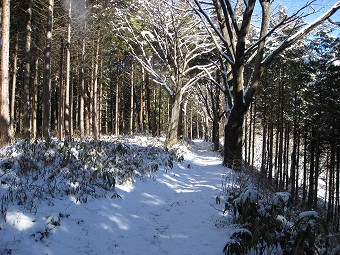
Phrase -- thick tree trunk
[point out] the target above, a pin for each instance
(172, 135)
(233, 135)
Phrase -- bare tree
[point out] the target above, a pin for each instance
(233, 34)
(170, 47)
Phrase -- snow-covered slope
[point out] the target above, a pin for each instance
(171, 212)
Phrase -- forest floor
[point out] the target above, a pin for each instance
(171, 212)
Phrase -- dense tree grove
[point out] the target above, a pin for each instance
(186, 69)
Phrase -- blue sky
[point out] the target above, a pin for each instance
(320, 5)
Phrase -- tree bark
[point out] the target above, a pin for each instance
(68, 113)
(82, 91)
(131, 97)
(14, 84)
(26, 89)
(34, 100)
(47, 75)
(5, 134)
(95, 94)
(172, 134)
(61, 93)
(117, 105)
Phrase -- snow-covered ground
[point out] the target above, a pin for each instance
(170, 212)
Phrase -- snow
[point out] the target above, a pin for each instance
(169, 212)
(308, 214)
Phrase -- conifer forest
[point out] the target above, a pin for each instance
(255, 82)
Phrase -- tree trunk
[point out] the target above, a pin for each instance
(233, 138)
(337, 193)
(270, 150)
(5, 134)
(264, 148)
(82, 91)
(304, 184)
(159, 109)
(34, 100)
(95, 93)
(172, 134)
(47, 75)
(68, 77)
(61, 93)
(14, 84)
(117, 105)
(310, 200)
(148, 102)
(216, 119)
(154, 112)
(27, 67)
(331, 192)
(131, 97)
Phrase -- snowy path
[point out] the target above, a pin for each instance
(168, 214)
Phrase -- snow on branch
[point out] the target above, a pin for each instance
(300, 34)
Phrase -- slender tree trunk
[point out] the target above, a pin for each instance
(100, 96)
(154, 112)
(250, 133)
(270, 153)
(14, 82)
(264, 148)
(304, 184)
(317, 168)
(95, 93)
(297, 165)
(331, 191)
(117, 105)
(253, 135)
(148, 102)
(216, 117)
(310, 200)
(159, 109)
(34, 99)
(5, 134)
(246, 138)
(82, 90)
(337, 190)
(68, 76)
(47, 75)
(131, 97)
(26, 89)
(61, 93)
(191, 125)
(294, 151)
(142, 104)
